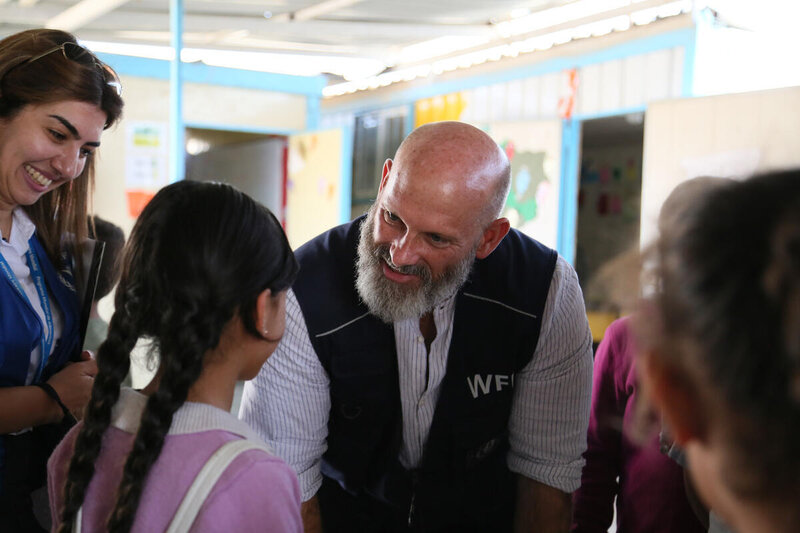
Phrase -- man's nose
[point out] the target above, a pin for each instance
(403, 251)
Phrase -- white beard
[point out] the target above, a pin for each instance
(391, 301)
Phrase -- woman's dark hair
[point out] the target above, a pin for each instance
(729, 316)
(54, 77)
(199, 253)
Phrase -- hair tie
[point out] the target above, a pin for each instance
(46, 387)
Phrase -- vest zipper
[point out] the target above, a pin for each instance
(411, 509)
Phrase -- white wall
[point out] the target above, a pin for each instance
(147, 100)
(726, 136)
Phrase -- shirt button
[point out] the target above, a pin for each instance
(420, 339)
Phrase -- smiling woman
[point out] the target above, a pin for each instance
(56, 98)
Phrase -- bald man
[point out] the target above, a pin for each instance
(435, 374)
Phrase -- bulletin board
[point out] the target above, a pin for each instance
(316, 190)
(534, 150)
(725, 136)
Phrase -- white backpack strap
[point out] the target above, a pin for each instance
(205, 481)
(76, 525)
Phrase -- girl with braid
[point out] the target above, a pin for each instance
(204, 276)
(721, 349)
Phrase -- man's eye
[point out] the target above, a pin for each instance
(389, 216)
(436, 238)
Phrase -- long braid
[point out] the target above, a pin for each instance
(113, 361)
(182, 345)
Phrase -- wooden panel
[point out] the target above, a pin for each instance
(531, 105)
(514, 100)
(497, 101)
(550, 86)
(589, 89)
(611, 88)
(658, 73)
(633, 82)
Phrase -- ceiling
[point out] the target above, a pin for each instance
(353, 39)
(372, 34)
(364, 29)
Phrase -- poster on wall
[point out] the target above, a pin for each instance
(146, 160)
(534, 151)
(316, 190)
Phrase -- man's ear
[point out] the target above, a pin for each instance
(674, 396)
(262, 312)
(387, 167)
(492, 236)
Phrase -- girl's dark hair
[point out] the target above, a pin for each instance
(199, 253)
(55, 78)
(729, 316)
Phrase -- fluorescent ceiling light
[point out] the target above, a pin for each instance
(349, 68)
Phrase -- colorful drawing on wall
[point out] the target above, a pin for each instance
(533, 149)
(529, 183)
(314, 187)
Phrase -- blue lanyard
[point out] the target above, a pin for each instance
(41, 289)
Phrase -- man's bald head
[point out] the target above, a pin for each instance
(458, 159)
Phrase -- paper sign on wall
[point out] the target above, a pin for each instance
(146, 159)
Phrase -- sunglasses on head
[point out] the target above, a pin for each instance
(79, 54)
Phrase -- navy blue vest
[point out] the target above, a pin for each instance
(496, 327)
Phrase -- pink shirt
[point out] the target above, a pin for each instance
(257, 492)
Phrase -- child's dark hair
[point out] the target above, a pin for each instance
(199, 253)
(114, 239)
(729, 315)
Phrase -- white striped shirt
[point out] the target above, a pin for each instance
(288, 403)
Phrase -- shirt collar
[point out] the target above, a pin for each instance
(22, 229)
(191, 417)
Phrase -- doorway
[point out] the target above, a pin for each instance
(609, 208)
(253, 163)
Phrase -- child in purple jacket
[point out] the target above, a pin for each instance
(204, 277)
(648, 486)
